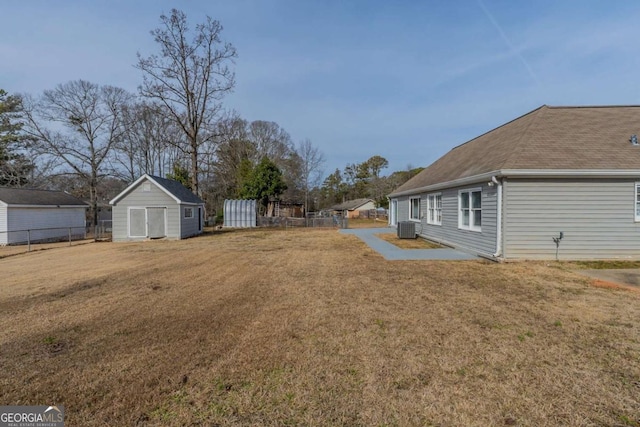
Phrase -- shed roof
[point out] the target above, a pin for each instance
(31, 197)
(351, 204)
(547, 138)
(176, 190)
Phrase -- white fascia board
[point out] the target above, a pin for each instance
(3, 203)
(128, 189)
(525, 173)
(136, 183)
(164, 189)
(571, 173)
(442, 185)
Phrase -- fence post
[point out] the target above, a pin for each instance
(69, 236)
(28, 240)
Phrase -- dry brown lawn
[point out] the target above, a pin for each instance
(11, 250)
(311, 327)
(418, 243)
(367, 222)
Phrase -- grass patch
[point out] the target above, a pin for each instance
(226, 330)
(605, 265)
(418, 243)
(367, 222)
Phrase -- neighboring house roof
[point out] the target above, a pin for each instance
(350, 205)
(174, 189)
(30, 197)
(567, 139)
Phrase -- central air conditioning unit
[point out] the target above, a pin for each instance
(406, 230)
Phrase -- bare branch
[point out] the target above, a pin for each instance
(180, 77)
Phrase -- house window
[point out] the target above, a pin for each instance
(146, 187)
(470, 214)
(434, 209)
(637, 201)
(188, 213)
(415, 209)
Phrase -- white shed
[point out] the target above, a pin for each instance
(154, 208)
(39, 215)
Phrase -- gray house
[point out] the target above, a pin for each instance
(153, 208)
(569, 173)
(48, 215)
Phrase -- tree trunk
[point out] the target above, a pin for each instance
(194, 166)
(93, 192)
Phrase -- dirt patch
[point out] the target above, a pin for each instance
(417, 243)
(616, 286)
(305, 327)
(628, 278)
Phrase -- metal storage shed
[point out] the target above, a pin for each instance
(240, 213)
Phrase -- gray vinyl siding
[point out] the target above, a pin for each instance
(480, 242)
(143, 199)
(57, 220)
(189, 225)
(596, 217)
(3, 224)
(403, 208)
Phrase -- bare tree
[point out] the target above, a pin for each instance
(233, 151)
(189, 77)
(78, 124)
(312, 161)
(149, 143)
(272, 141)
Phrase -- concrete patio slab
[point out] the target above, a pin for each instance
(394, 253)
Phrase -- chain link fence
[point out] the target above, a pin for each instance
(27, 240)
(311, 221)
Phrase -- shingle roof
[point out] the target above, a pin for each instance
(548, 138)
(350, 204)
(178, 190)
(173, 188)
(23, 196)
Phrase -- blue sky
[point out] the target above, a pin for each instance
(407, 80)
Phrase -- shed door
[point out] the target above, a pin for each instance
(155, 218)
(137, 223)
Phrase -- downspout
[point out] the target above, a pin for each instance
(389, 212)
(498, 184)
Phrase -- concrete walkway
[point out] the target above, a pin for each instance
(393, 253)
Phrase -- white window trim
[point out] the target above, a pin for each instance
(434, 208)
(637, 203)
(469, 227)
(411, 199)
(192, 216)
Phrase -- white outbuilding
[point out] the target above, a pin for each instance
(154, 208)
(39, 215)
